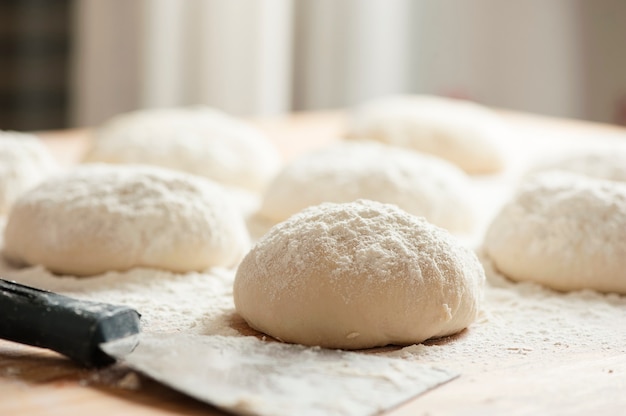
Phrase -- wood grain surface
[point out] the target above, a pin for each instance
(39, 382)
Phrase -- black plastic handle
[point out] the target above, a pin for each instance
(72, 327)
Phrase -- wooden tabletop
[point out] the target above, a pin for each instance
(39, 382)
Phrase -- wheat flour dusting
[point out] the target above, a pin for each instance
(98, 218)
(358, 275)
(565, 231)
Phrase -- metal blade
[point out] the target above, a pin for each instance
(249, 376)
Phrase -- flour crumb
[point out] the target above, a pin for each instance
(130, 381)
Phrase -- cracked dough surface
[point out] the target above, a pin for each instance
(358, 275)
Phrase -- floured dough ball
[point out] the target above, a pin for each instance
(418, 183)
(198, 140)
(358, 275)
(24, 162)
(601, 163)
(99, 218)
(564, 231)
(465, 133)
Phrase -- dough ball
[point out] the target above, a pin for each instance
(418, 183)
(24, 162)
(197, 140)
(601, 163)
(358, 275)
(101, 217)
(465, 133)
(564, 231)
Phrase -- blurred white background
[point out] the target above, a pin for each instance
(260, 57)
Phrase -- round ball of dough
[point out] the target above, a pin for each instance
(358, 275)
(418, 183)
(465, 133)
(24, 162)
(198, 140)
(100, 218)
(601, 163)
(564, 231)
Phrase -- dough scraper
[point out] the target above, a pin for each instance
(242, 375)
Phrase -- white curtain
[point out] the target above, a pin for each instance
(262, 57)
(233, 54)
(350, 50)
(244, 56)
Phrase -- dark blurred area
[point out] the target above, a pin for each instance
(35, 49)
(68, 63)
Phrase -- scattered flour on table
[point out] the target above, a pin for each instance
(199, 303)
(524, 322)
(519, 324)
